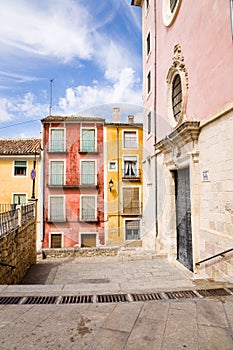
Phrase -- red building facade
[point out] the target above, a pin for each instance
(73, 182)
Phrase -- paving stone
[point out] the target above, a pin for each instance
(181, 327)
(211, 313)
(146, 334)
(155, 310)
(107, 339)
(214, 338)
(123, 317)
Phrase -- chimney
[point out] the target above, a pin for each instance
(130, 119)
(116, 115)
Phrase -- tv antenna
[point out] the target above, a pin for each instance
(51, 96)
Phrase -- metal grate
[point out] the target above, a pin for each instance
(181, 294)
(111, 298)
(77, 299)
(146, 297)
(10, 300)
(213, 292)
(40, 300)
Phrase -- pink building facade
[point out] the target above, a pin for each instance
(73, 182)
(188, 55)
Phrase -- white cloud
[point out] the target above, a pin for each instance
(57, 28)
(126, 89)
(21, 108)
(5, 115)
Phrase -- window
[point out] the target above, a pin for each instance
(149, 123)
(57, 208)
(132, 229)
(130, 166)
(149, 82)
(170, 9)
(148, 44)
(20, 168)
(55, 240)
(173, 5)
(57, 173)
(88, 140)
(57, 140)
(88, 208)
(147, 3)
(88, 240)
(131, 204)
(88, 173)
(176, 97)
(19, 198)
(112, 166)
(130, 140)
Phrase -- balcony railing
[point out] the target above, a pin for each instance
(72, 180)
(134, 175)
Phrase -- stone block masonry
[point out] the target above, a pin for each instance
(17, 248)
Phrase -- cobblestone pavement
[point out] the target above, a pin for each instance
(190, 322)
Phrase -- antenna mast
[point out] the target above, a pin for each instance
(51, 96)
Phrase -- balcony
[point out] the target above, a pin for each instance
(75, 180)
(132, 176)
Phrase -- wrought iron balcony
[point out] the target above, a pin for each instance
(74, 180)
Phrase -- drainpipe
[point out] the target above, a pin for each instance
(118, 184)
(155, 130)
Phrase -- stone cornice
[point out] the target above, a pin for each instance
(184, 134)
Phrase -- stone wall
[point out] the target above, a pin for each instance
(78, 252)
(216, 200)
(17, 248)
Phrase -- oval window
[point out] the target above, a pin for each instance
(177, 97)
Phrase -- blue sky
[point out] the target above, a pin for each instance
(92, 50)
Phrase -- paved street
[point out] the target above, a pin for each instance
(187, 322)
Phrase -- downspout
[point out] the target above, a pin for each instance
(118, 184)
(155, 129)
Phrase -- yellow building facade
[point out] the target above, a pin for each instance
(19, 164)
(123, 181)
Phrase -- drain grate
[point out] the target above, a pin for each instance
(181, 294)
(77, 299)
(111, 298)
(10, 300)
(146, 297)
(40, 300)
(213, 292)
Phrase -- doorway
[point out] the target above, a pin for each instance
(183, 218)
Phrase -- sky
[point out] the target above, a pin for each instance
(86, 52)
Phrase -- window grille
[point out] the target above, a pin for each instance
(132, 229)
(177, 97)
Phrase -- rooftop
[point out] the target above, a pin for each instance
(72, 118)
(20, 146)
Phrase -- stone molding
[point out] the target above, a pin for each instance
(177, 67)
